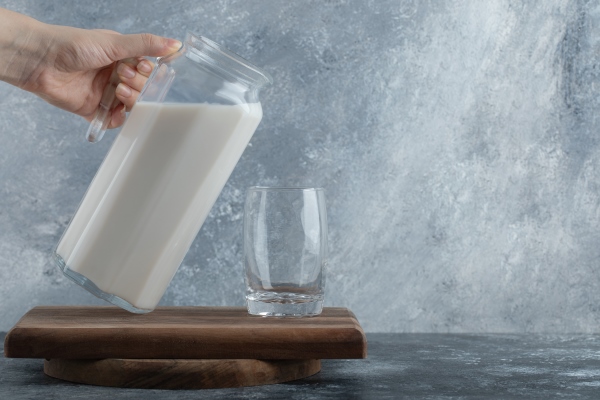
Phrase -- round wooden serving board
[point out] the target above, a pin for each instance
(180, 374)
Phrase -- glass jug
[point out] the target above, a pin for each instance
(163, 173)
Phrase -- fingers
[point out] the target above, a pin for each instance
(143, 44)
(130, 77)
(133, 74)
(118, 117)
(145, 67)
(133, 78)
(126, 95)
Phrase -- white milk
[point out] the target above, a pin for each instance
(152, 194)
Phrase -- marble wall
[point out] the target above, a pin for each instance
(458, 142)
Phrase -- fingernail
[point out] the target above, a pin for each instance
(174, 44)
(144, 66)
(125, 71)
(123, 90)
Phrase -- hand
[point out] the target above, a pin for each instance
(70, 67)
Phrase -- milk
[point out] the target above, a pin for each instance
(152, 194)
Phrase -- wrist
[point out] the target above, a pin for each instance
(23, 47)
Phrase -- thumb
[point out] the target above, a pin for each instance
(143, 44)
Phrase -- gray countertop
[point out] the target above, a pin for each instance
(399, 365)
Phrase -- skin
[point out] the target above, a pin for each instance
(70, 67)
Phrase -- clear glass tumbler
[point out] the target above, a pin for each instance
(285, 251)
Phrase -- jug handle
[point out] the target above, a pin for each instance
(108, 102)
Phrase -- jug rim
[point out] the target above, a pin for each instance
(224, 59)
(285, 189)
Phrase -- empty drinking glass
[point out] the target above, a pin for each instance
(285, 251)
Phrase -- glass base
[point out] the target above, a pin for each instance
(93, 289)
(269, 304)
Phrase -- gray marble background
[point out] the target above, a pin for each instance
(457, 140)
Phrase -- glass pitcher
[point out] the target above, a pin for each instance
(163, 173)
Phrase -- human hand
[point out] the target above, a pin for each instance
(70, 67)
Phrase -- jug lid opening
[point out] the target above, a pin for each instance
(226, 60)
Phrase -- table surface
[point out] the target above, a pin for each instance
(398, 366)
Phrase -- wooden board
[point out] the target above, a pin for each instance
(183, 333)
(180, 374)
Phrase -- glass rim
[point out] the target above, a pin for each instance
(284, 188)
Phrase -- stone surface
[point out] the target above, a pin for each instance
(457, 141)
(411, 365)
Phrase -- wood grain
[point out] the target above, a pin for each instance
(180, 374)
(183, 333)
